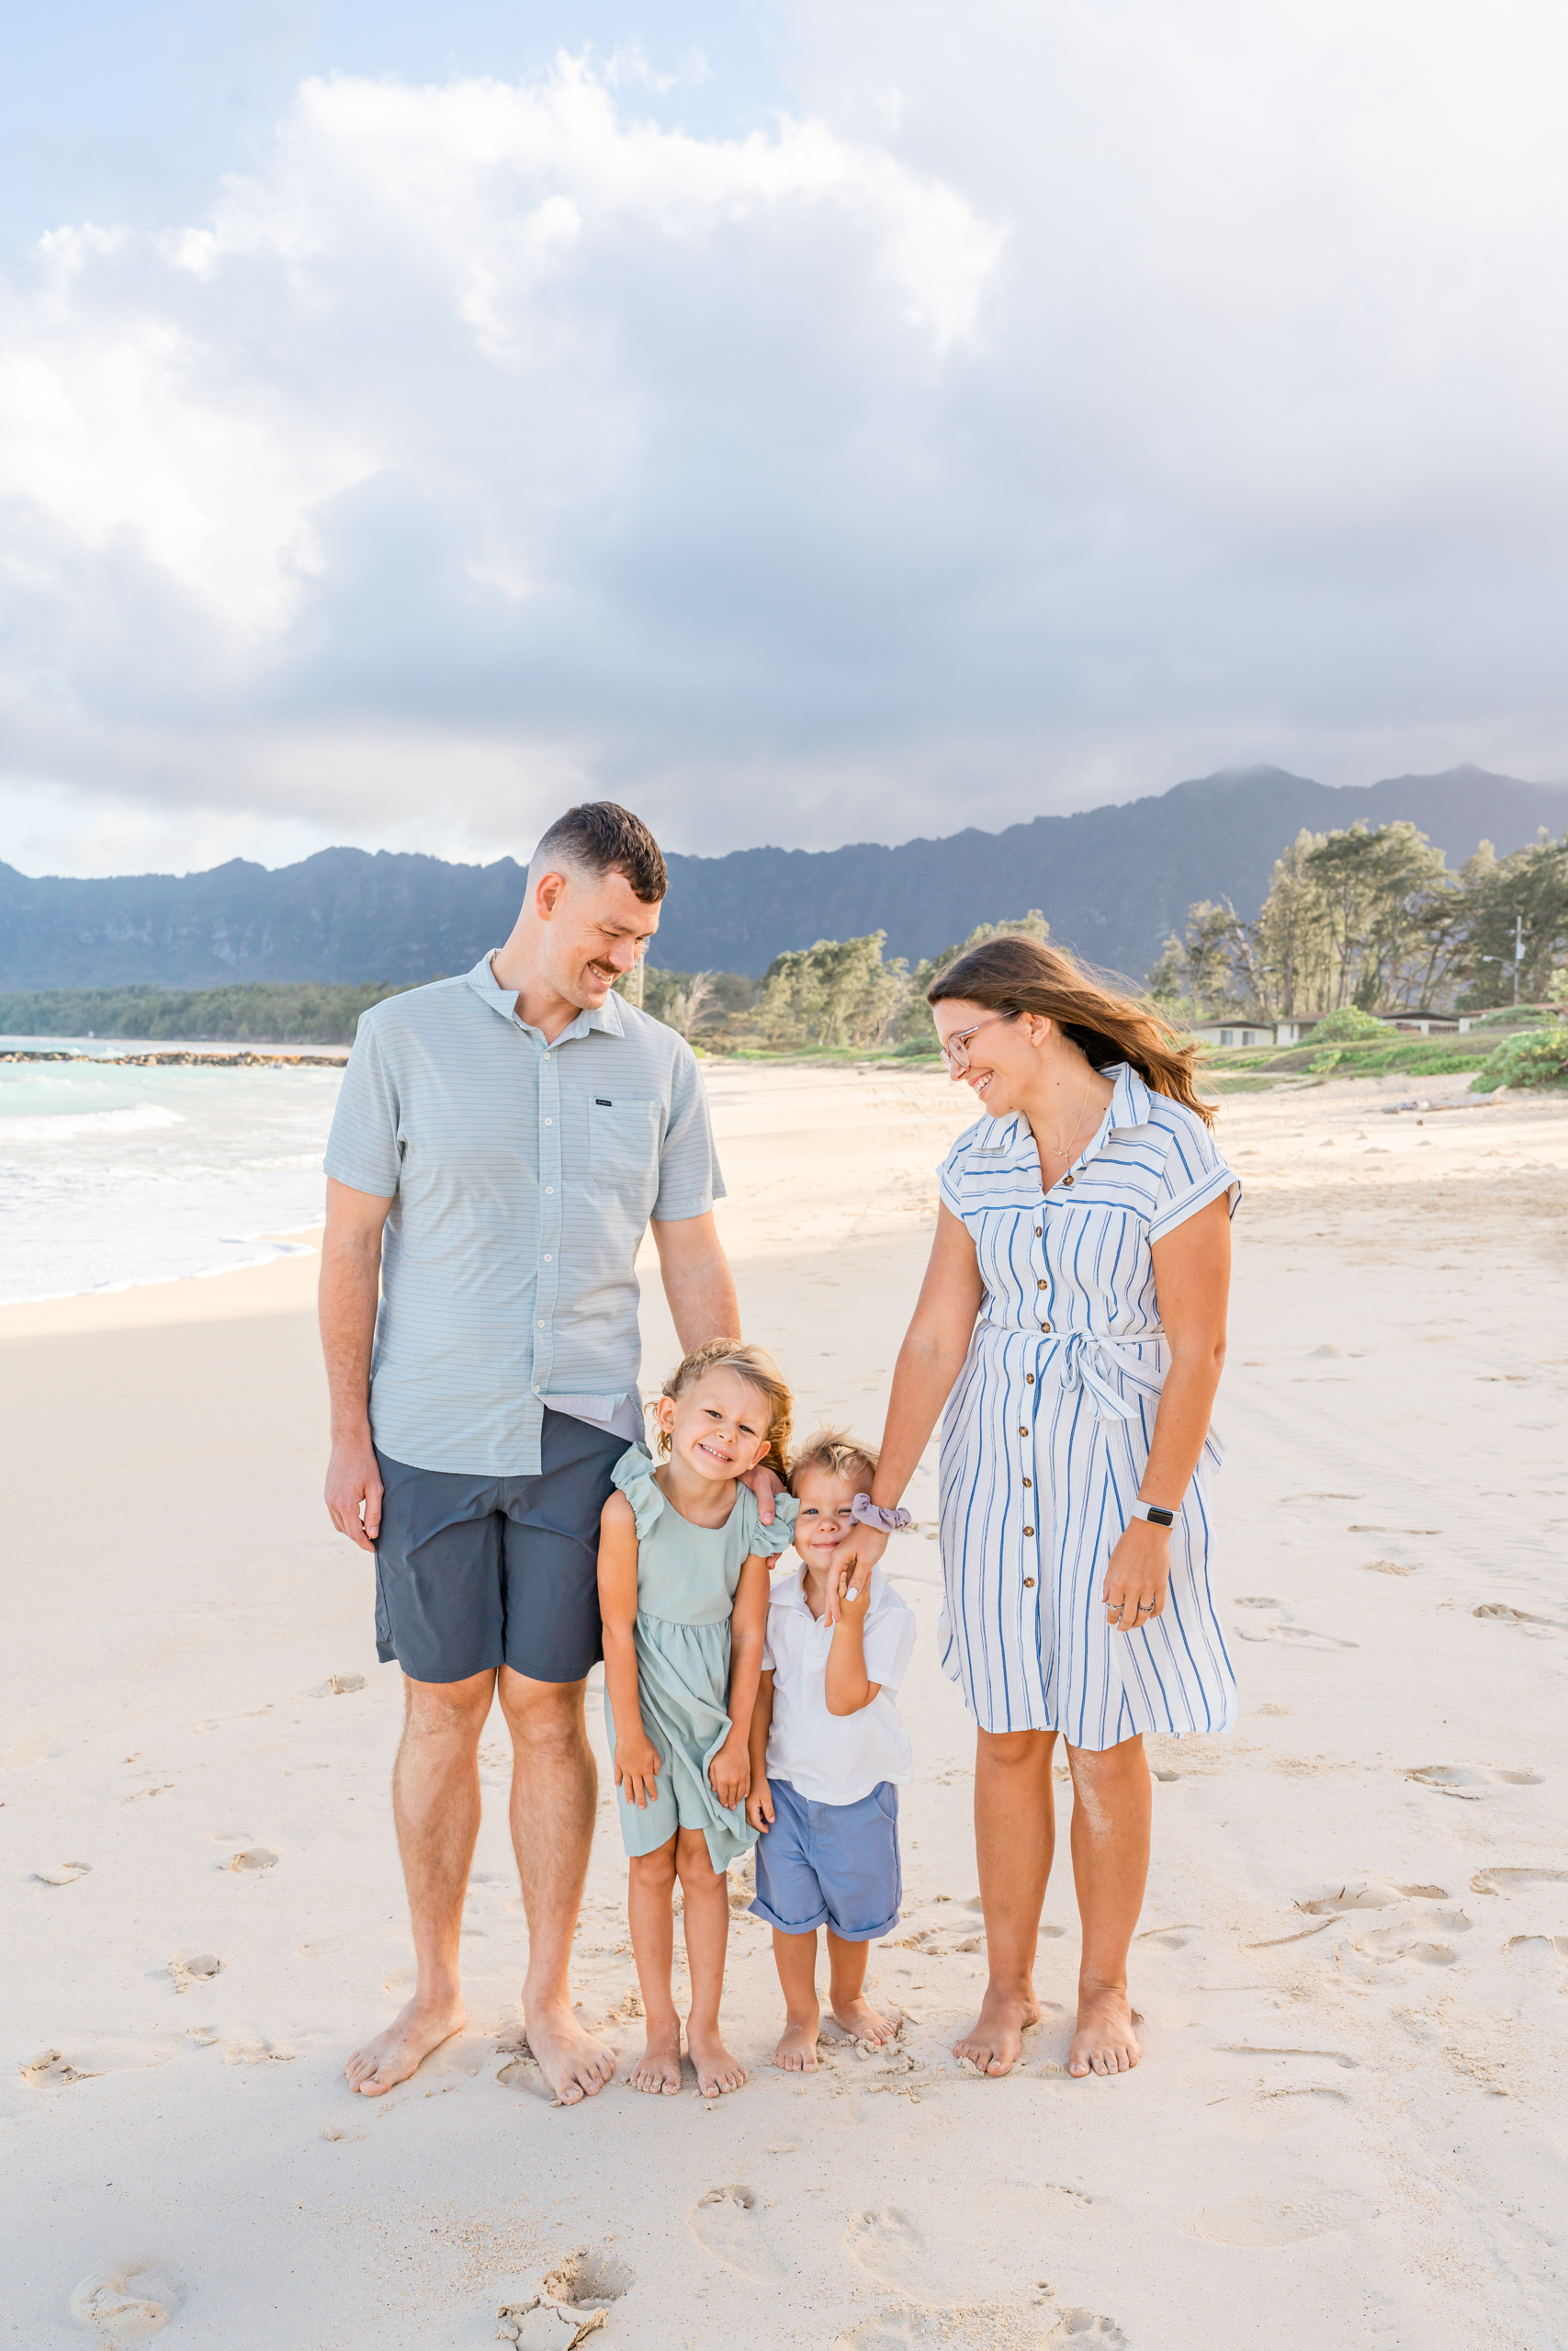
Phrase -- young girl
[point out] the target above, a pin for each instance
(684, 1593)
(829, 1756)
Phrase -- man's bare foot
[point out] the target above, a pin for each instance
(992, 2044)
(408, 2040)
(575, 2065)
(797, 2052)
(717, 2070)
(1106, 2041)
(858, 2017)
(657, 2070)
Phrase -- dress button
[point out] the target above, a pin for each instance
(1029, 1481)
(1029, 1379)
(1043, 1283)
(1029, 1530)
(1029, 1583)
(1039, 1229)
(1066, 1178)
(1023, 1433)
(1044, 1324)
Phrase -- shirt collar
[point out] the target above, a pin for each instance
(481, 979)
(1129, 1107)
(790, 1592)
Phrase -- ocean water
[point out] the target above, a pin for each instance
(110, 1177)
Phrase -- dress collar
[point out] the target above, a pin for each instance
(483, 981)
(1012, 1139)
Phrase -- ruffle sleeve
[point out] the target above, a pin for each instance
(766, 1543)
(634, 1475)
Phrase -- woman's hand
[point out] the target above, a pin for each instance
(760, 1807)
(852, 1563)
(1138, 1576)
(636, 1771)
(729, 1773)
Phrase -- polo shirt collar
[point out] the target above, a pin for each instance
(483, 981)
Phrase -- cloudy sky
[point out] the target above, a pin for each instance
(805, 420)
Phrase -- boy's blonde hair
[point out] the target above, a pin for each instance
(757, 1369)
(836, 1454)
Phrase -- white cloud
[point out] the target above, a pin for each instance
(1065, 397)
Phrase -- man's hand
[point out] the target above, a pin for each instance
(852, 1563)
(765, 1483)
(636, 1771)
(729, 1773)
(353, 1482)
(760, 1807)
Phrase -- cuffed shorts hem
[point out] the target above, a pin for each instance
(824, 1918)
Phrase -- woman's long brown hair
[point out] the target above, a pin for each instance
(1013, 974)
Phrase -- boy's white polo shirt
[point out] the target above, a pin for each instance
(836, 1758)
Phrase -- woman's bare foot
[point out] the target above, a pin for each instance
(408, 2040)
(657, 2070)
(717, 2070)
(858, 2017)
(575, 2065)
(992, 2044)
(797, 2052)
(1106, 2041)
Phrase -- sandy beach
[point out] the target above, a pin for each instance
(1348, 2127)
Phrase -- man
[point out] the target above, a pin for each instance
(500, 1144)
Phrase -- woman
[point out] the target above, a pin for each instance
(1073, 1321)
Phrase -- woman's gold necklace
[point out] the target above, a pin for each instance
(1061, 1152)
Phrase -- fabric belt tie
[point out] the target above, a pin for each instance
(1089, 1360)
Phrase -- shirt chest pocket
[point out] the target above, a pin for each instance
(623, 1149)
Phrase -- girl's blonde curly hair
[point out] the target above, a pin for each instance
(757, 1369)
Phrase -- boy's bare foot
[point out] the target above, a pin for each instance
(858, 2017)
(717, 2070)
(657, 2070)
(993, 2043)
(575, 2065)
(1106, 2041)
(797, 2052)
(408, 2040)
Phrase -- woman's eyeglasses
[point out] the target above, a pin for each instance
(957, 1050)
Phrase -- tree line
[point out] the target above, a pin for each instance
(266, 1012)
(1373, 919)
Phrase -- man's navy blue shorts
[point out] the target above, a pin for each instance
(472, 1573)
(831, 1865)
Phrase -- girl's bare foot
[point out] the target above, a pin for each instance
(717, 2070)
(858, 2017)
(797, 2052)
(408, 2040)
(1106, 2041)
(993, 2043)
(657, 2070)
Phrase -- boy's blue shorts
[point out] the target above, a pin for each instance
(833, 1865)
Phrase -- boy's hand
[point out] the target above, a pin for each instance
(636, 1771)
(729, 1773)
(852, 1563)
(760, 1807)
(851, 1610)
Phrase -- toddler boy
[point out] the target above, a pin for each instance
(829, 1756)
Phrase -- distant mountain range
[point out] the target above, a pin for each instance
(1113, 882)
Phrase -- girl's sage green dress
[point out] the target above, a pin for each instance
(686, 1579)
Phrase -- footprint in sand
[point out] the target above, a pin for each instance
(62, 1873)
(255, 1857)
(1501, 1613)
(1079, 2329)
(1265, 2220)
(891, 2246)
(200, 1965)
(1368, 1894)
(1299, 1636)
(248, 2047)
(128, 2301)
(1469, 1781)
(341, 1685)
(728, 2221)
(589, 2280)
(1515, 1880)
(57, 2068)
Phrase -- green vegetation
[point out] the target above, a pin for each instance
(1538, 1060)
(270, 1011)
(1371, 919)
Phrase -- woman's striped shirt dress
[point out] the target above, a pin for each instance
(1046, 1433)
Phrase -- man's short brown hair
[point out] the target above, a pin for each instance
(602, 838)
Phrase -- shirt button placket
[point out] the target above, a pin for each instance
(547, 1274)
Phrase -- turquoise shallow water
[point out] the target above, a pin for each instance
(110, 1177)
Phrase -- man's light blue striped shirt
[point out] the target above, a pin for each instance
(521, 1177)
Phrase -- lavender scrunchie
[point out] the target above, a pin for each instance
(867, 1513)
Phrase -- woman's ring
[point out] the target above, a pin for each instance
(1144, 1604)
